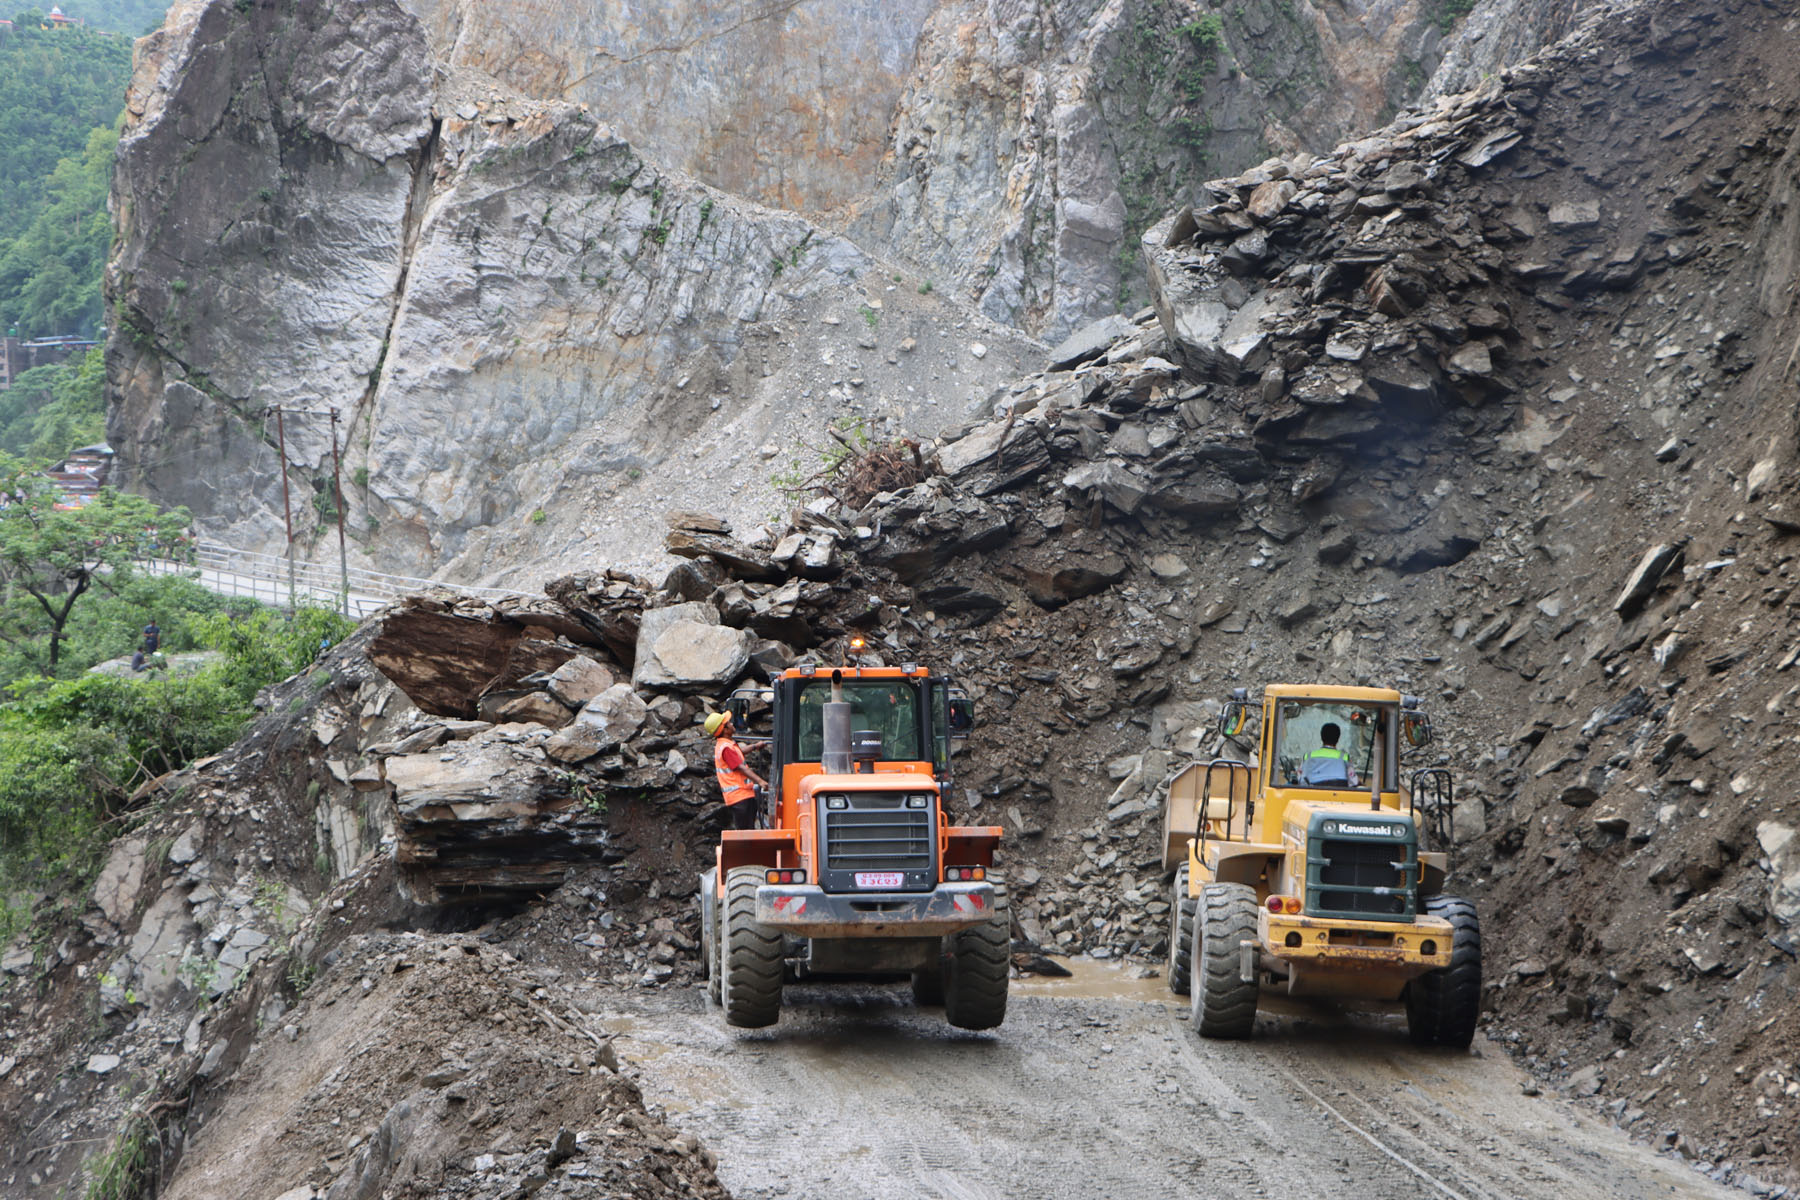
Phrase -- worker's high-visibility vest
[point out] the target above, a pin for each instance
(1326, 775)
(732, 780)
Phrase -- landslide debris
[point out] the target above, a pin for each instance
(226, 1010)
(421, 1066)
(1580, 551)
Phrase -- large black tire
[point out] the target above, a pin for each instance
(1442, 1005)
(750, 988)
(1181, 933)
(1223, 1004)
(979, 964)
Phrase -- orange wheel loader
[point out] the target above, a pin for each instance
(857, 871)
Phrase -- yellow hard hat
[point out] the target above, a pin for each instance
(714, 722)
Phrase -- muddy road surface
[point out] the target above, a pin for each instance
(1095, 1088)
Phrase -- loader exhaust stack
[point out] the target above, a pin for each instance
(835, 759)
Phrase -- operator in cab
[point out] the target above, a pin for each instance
(737, 782)
(1328, 766)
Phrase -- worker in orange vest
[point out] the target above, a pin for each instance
(737, 781)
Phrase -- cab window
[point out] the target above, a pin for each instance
(890, 707)
(1331, 744)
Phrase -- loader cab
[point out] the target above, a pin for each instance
(1297, 727)
(1332, 744)
(1376, 730)
(904, 719)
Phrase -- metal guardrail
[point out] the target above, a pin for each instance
(266, 577)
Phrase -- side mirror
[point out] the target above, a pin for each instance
(1234, 718)
(739, 708)
(1416, 727)
(961, 717)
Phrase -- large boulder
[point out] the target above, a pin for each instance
(580, 680)
(1090, 341)
(1001, 454)
(491, 816)
(1072, 575)
(613, 716)
(1782, 846)
(445, 657)
(486, 777)
(685, 646)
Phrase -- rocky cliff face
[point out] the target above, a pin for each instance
(1006, 151)
(511, 312)
(474, 231)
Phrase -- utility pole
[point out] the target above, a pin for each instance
(337, 489)
(287, 515)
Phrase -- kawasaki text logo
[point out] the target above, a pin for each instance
(1371, 830)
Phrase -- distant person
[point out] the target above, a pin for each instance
(152, 637)
(1328, 766)
(137, 660)
(737, 782)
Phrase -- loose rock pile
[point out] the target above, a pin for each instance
(1295, 466)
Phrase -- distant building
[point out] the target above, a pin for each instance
(80, 476)
(56, 20)
(17, 356)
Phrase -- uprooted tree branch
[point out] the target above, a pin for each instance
(852, 467)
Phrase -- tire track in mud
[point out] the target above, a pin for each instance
(857, 1094)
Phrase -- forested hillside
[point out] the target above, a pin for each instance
(60, 95)
(132, 17)
(56, 86)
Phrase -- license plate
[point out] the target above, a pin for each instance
(879, 879)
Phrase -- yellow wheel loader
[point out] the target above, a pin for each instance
(1312, 869)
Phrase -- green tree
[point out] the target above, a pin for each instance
(50, 273)
(51, 410)
(50, 557)
(56, 85)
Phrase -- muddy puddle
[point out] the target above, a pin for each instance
(1094, 979)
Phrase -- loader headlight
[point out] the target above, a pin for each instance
(836, 802)
(918, 801)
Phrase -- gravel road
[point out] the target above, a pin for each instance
(1094, 1087)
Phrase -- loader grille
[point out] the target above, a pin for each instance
(1356, 866)
(878, 833)
(1372, 874)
